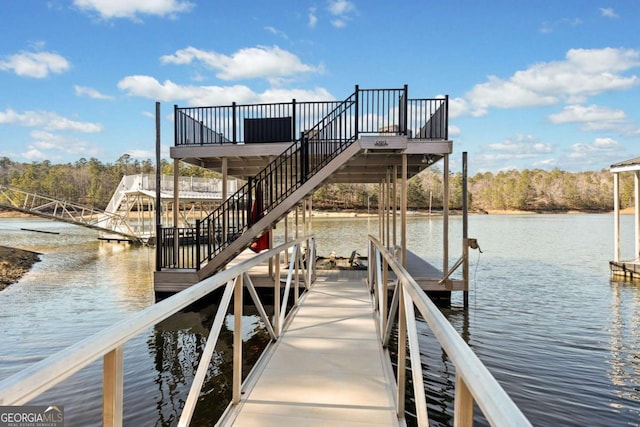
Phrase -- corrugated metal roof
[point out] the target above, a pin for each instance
(631, 164)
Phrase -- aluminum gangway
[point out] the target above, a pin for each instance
(130, 213)
(338, 328)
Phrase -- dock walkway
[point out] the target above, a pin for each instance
(328, 367)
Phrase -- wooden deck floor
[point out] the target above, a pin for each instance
(328, 368)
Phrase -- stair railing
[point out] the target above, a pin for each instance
(366, 111)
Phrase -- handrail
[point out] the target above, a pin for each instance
(70, 212)
(41, 376)
(366, 111)
(474, 382)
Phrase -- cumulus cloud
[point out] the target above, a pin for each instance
(51, 146)
(168, 91)
(583, 73)
(90, 92)
(35, 64)
(599, 146)
(594, 118)
(247, 63)
(132, 9)
(47, 120)
(504, 155)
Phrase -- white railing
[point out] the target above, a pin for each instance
(473, 383)
(109, 343)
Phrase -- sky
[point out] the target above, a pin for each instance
(534, 84)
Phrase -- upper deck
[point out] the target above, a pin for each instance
(241, 139)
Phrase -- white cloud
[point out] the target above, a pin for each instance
(47, 120)
(608, 12)
(313, 18)
(598, 147)
(276, 32)
(141, 154)
(583, 73)
(521, 146)
(594, 117)
(502, 155)
(342, 11)
(130, 9)
(341, 7)
(35, 64)
(90, 92)
(550, 27)
(247, 63)
(51, 146)
(168, 91)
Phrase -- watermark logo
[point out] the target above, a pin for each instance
(31, 416)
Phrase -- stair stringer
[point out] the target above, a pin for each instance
(277, 213)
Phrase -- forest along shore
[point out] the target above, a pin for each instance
(15, 263)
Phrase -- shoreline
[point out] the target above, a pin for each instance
(15, 263)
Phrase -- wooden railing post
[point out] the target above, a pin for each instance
(462, 405)
(113, 387)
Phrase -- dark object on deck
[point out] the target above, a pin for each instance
(276, 129)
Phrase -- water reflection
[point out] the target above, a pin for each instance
(177, 344)
(558, 336)
(624, 364)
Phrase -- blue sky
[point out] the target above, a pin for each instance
(532, 84)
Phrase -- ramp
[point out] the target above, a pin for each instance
(328, 368)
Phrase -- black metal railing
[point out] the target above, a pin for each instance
(428, 118)
(366, 111)
(280, 122)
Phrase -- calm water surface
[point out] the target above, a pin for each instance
(561, 338)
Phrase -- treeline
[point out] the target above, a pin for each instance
(92, 183)
(89, 182)
(527, 190)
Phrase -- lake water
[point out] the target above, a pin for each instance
(544, 316)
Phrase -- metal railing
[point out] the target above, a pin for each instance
(381, 111)
(70, 212)
(109, 344)
(366, 111)
(473, 383)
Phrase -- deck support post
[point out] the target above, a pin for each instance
(394, 202)
(445, 215)
(176, 205)
(237, 340)
(113, 387)
(465, 233)
(387, 204)
(403, 210)
(636, 187)
(616, 217)
(225, 172)
(380, 211)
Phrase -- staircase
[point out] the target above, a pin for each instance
(305, 165)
